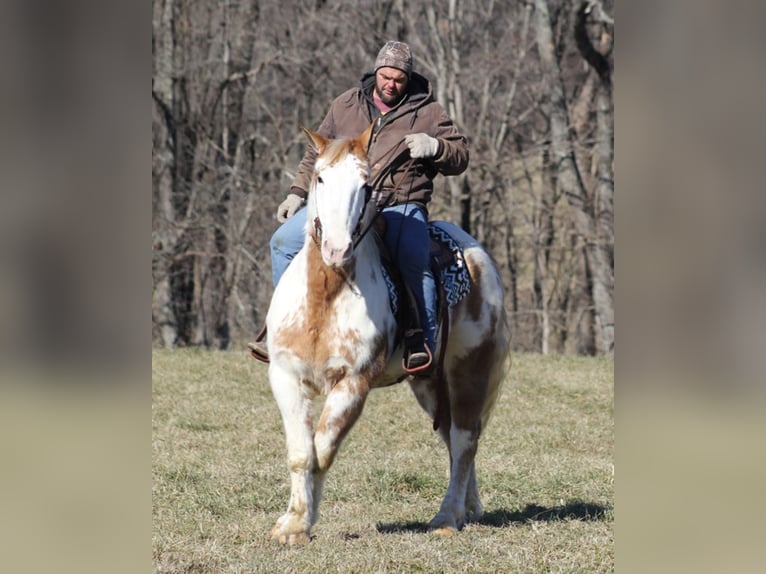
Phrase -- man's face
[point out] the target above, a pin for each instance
(390, 85)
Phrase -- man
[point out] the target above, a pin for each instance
(409, 123)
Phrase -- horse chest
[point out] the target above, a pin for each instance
(326, 319)
(338, 323)
(341, 331)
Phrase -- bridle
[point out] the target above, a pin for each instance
(360, 231)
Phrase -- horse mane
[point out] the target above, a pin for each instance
(332, 151)
(338, 149)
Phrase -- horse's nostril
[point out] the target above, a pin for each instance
(334, 254)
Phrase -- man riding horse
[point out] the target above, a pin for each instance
(409, 124)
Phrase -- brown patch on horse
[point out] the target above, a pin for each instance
(339, 150)
(356, 390)
(470, 376)
(305, 337)
(323, 283)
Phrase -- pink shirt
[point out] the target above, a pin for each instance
(380, 104)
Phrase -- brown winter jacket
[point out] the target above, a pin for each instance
(352, 112)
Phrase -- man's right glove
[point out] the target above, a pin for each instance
(422, 145)
(288, 207)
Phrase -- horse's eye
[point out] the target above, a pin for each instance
(319, 179)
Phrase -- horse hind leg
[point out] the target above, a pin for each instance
(473, 382)
(452, 512)
(473, 507)
(461, 503)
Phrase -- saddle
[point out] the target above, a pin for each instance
(453, 283)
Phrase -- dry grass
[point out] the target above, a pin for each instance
(545, 472)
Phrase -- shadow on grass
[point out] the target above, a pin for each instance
(575, 510)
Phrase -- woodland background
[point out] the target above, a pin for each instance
(529, 83)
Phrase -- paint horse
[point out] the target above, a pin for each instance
(332, 331)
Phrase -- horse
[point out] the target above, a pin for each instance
(332, 331)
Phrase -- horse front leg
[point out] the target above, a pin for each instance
(341, 410)
(294, 401)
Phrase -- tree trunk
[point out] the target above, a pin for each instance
(604, 148)
(165, 325)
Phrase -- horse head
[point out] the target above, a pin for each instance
(340, 210)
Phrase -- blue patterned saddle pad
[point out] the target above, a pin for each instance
(448, 266)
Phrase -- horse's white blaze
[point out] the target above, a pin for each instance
(331, 330)
(339, 212)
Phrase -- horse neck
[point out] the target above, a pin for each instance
(324, 283)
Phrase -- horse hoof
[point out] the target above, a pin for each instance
(294, 539)
(444, 531)
(474, 515)
(275, 531)
(299, 539)
(442, 525)
(278, 534)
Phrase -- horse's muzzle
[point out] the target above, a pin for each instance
(336, 256)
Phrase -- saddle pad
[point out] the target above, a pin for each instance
(393, 292)
(449, 265)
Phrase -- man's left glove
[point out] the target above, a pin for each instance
(422, 145)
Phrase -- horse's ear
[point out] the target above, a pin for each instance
(364, 139)
(320, 142)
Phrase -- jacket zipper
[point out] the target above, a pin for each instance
(376, 129)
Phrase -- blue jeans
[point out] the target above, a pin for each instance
(407, 240)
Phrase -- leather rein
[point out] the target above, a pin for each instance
(360, 232)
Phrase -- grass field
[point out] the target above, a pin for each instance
(545, 470)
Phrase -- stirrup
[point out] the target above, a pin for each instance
(258, 348)
(416, 361)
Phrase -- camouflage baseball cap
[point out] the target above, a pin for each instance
(395, 55)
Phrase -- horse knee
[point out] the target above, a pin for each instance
(325, 457)
(298, 463)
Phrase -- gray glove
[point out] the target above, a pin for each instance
(288, 207)
(422, 145)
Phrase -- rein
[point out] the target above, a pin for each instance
(382, 174)
(379, 208)
(359, 233)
